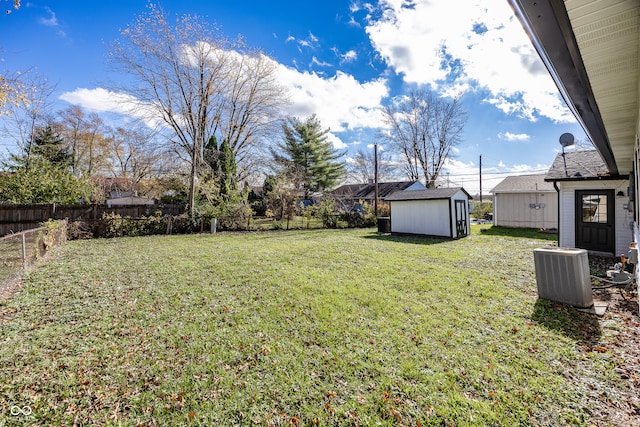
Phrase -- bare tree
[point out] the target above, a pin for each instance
(424, 128)
(29, 111)
(199, 84)
(361, 167)
(85, 136)
(134, 156)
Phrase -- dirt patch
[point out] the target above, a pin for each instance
(622, 341)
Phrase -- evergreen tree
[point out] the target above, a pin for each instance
(46, 146)
(222, 162)
(306, 157)
(49, 145)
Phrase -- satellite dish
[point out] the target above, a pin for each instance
(566, 139)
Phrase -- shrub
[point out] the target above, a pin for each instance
(326, 211)
(54, 233)
(111, 225)
(79, 230)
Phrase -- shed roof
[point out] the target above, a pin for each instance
(429, 194)
(524, 184)
(580, 165)
(367, 191)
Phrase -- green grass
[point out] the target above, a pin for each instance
(312, 327)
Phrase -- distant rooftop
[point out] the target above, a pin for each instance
(367, 191)
(430, 194)
(523, 184)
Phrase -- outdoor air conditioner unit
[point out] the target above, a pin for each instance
(562, 275)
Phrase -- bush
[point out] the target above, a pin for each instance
(111, 225)
(79, 230)
(326, 211)
(54, 233)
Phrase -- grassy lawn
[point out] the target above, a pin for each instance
(289, 328)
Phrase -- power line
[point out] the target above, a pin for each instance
(485, 173)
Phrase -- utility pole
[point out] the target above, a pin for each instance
(375, 177)
(480, 181)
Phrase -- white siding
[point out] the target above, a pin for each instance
(514, 210)
(429, 217)
(623, 218)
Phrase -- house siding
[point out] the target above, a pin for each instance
(623, 218)
(430, 217)
(514, 210)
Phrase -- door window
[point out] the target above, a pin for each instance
(594, 208)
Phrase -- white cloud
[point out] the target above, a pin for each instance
(349, 56)
(99, 100)
(478, 46)
(51, 21)
(316, 61)
(104, 101)
(514, 136)
(336, 142)
(340, 102)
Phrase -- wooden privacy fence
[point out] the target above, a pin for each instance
(20, 250)
(17, 218)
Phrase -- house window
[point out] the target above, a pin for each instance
(594, 208)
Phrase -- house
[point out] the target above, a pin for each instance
(117, 198)
(352, 196)
(440, 212)
(525, 201)
(594, 205)
(591, 49)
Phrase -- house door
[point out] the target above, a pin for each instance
(461, 218)
(595, 220)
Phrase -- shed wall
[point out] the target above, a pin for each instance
(428, 217)
(514, 210)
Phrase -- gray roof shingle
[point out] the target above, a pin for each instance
(579, 165)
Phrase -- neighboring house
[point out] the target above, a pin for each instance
(126, 199)
(352, 196)
(440, 212)
(525, 201)
(592, 52)
(594, 203)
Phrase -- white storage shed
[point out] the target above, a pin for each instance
(439, 212)
(526, 201)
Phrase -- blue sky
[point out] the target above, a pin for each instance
(343, 60)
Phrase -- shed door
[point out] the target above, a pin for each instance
(595, 220)
(461, 218)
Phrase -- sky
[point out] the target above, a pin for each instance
(342, 60)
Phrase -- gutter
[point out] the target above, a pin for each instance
(555, 185)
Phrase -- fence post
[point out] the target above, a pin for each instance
(24, 250)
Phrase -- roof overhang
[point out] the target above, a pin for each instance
(590, 48)
(589, 178)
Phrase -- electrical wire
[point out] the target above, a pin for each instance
(611, 283)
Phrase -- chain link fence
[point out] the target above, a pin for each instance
(21, 250)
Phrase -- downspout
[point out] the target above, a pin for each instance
(555, 185)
